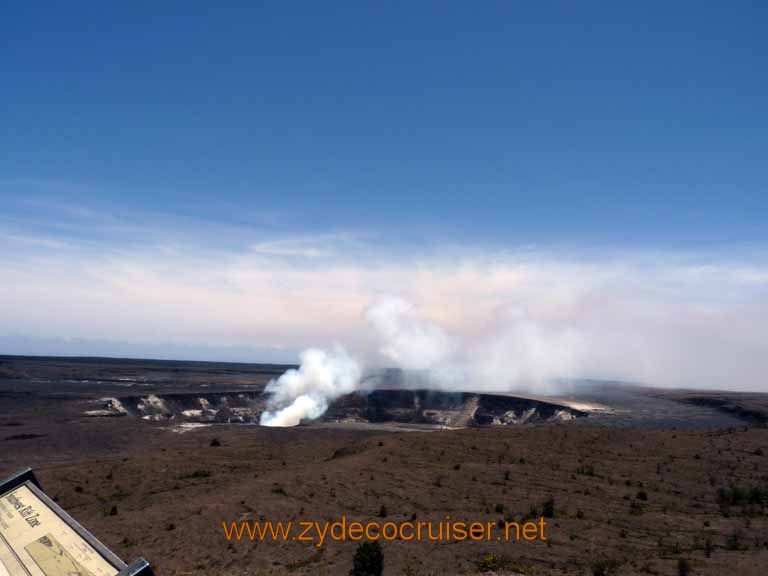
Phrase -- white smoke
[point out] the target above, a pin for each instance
(304, 394)
(518, 351)
(405, 339)
(522, 353)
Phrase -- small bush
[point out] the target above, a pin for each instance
(683, 567)
(604, 567)
(736, 495)
(195, 475)
(548, 508)
(492, 563)
(533, 512)
(642, 495)
(735, 541)
(733, 496)
(368, 560)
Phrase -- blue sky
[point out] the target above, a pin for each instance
(164, 161)
(487, 123)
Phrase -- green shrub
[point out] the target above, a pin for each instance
(604, 567)
(548, 508)
(368, 560)
(492, 563)
(636, 508)
(683, 567)
(735, 541)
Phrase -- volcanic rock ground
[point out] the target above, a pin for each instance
(633, 495)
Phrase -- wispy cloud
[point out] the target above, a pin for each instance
(308, 246)
(36, 241)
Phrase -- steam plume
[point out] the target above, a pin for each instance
(305, 393)
(406, 340)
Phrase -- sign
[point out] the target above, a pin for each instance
(38, 538)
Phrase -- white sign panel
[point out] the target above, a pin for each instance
(35, 541)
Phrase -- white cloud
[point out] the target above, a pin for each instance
(665, 319)
(308, 247)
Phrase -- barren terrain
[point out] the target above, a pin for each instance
(629, 498)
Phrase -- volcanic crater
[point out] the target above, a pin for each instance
(417, 407)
